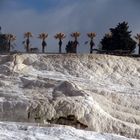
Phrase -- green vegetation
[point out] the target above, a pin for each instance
(119, 39)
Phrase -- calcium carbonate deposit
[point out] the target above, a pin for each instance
(69, 97)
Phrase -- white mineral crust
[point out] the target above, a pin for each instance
(100, 93)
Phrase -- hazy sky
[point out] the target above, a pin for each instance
(51, 16)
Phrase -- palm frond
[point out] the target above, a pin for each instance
(60, 36)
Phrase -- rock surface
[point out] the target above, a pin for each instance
(12, 131)
(92, 92)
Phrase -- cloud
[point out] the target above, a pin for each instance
(68, 16)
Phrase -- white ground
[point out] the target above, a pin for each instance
(92, 92)
(15, 131)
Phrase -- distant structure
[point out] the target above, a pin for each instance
(4, 46)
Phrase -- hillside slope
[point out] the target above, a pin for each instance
(92, 92)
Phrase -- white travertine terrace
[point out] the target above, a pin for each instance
(91, 92)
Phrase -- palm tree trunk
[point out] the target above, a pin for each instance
(42, 49)
(91, 46)
(27, 49)
(27, 44)
(9, 45)
(43, 46)
(75, 38)
(139, 48)
(91, 49)
(60, 49)
(60, 46)
(75, 45)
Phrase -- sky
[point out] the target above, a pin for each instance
(52, 16)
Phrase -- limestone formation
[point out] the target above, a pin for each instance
(92, 92)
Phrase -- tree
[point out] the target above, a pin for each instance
(137, 37)
(10, 38)
(91, 36)
(3, 43)
(27, 35)
(60, 36)
(75, 35)
(70, 47)
(119, 39)
(43, 36)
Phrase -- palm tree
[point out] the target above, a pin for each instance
(10, 38)
(60, 36)
(43, 36)
(75, 35)
(137, 37)
(91, 35)
(27, 35)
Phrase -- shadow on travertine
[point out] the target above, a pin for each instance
(92, 92)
